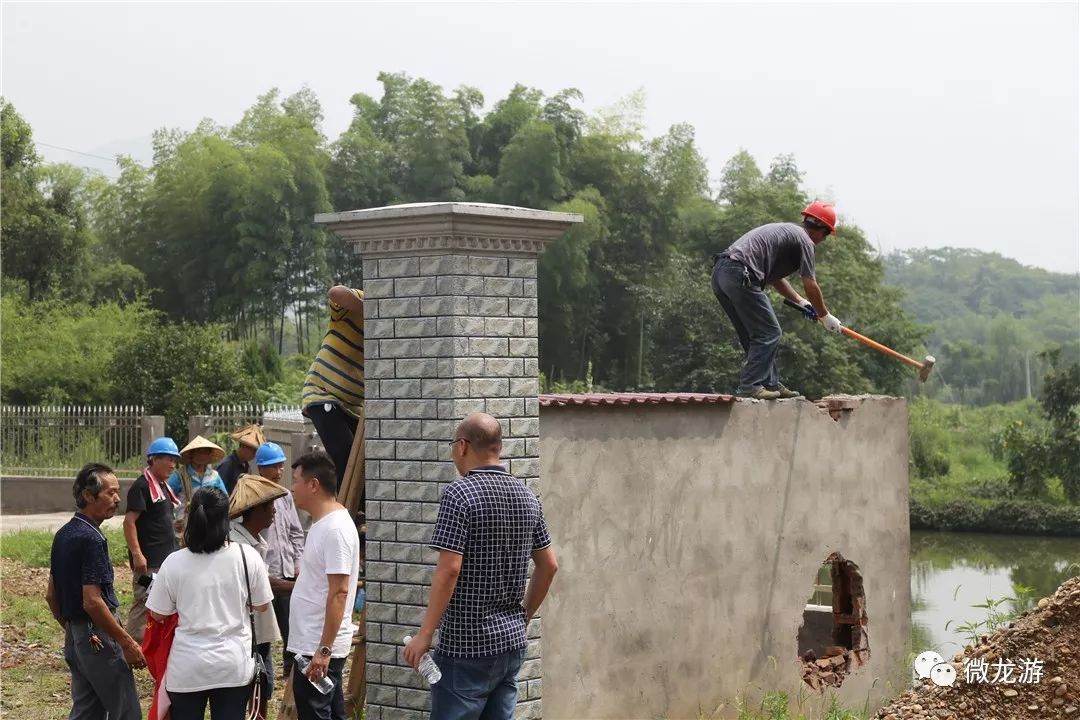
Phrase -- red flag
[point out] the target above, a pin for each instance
(157, 642)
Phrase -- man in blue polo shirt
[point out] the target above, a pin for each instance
(489, 525)
(98, 651)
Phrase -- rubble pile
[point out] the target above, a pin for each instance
(827, 671)
(1049, 634)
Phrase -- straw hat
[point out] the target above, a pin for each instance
(198, 444)
(250, 435)
(251, 491)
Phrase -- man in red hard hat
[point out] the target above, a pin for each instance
(766, 256)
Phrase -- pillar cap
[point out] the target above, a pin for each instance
(441, 227)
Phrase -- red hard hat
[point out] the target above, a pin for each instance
(822, 212)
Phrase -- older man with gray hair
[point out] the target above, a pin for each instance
(98, 651)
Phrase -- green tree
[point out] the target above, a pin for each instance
(61, 352)
(360, 171)
(689, 342)
(41, 218)
(530, 171)
(178, 370)
(427, 131)
(567, 298)
(497, 130)
(1036, 454)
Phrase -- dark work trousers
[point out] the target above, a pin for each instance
(281, 612)
(227, 703)
(750, 311)
(312, 704)
(336, 429)
(102, 684)
(268, 682)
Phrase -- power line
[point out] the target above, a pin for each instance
(77, 152)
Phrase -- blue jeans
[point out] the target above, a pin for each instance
(750, 311)
(483, 688)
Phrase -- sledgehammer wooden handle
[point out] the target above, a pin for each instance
(881, 348)
(923, 367)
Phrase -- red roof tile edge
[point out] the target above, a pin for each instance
(834, 405)
(617, 399)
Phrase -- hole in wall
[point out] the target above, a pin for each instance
(832, 639)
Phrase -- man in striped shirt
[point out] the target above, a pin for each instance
(333, 396)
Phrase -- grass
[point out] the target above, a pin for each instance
(34, 677)
(776, 705)
(953, 450)
(32, 617)
(32, 547)
(33, 673)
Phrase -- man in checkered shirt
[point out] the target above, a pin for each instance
(489, 525)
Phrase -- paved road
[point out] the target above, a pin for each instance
(47, 521)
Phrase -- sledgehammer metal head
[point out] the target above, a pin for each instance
(927, 366)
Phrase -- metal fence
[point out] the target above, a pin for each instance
(57, 440)
(221, 420)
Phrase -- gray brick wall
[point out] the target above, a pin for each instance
(446, 335)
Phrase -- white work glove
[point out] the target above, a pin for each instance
(831, 323)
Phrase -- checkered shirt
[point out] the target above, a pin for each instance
(495, 523)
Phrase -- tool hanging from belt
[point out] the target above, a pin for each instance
(748, 279)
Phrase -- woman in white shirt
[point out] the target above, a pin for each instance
(211, 660)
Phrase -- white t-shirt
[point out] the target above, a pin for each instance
(212, 645)
(332, 548)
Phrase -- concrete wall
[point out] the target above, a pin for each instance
(20, 495)
(689, 538)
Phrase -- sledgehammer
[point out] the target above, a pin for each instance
(924, 367)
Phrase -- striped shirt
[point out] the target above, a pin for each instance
(337, 374)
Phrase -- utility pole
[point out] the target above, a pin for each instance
(1027, 372)
(641, 347)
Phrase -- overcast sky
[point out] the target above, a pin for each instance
(927, 124)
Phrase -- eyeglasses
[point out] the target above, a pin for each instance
(455, 441)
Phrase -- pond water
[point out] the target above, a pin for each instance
(951, 572)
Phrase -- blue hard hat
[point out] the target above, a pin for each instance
(269, 454)
(163, 446)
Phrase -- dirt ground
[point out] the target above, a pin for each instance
(35, 678)
(1050, 633)
(33, 675)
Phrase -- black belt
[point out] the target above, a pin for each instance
(750, 280)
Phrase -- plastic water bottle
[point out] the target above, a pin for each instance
(428, 668)
(325, 685)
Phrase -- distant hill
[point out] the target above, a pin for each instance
(942, 282)
(990, 318)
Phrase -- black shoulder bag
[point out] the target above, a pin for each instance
(255, 699)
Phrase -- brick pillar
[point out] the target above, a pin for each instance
(450, 328)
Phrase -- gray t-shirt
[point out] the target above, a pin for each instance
(774, 251)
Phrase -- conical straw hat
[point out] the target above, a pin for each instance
(253, 490)
(197, 444)
(250, 435)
